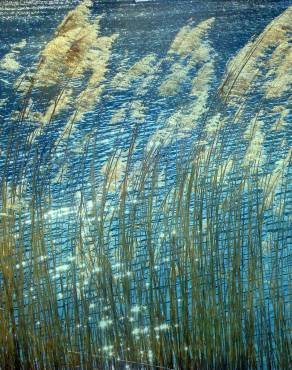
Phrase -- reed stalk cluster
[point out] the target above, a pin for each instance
(141, 270)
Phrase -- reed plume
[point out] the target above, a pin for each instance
(167, 261)
(246, 67)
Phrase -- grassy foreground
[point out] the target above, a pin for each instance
(185, 274)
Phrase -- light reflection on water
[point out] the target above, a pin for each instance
(143, 29)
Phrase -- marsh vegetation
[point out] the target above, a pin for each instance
(148, 261)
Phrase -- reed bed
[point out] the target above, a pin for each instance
(141, 270)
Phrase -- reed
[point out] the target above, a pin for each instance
(140, 269)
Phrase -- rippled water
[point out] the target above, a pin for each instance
(144, 28)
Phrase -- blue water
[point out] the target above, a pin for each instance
(145, 27)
